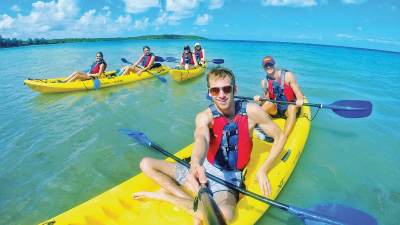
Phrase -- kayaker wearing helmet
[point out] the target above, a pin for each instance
(96, 70)
(188, 59)
(199, 54)
(280, 85)
(146, 62)
(222, 147)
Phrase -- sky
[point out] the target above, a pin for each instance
(373, 24)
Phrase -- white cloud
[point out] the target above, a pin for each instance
(202, 20)
(181, 6)
(353, 1)
(359, 28)
(216, 4)
(59, 19)
(138, 6)
(15, 8)
(290, 3)
(141, 24)
(6, 21)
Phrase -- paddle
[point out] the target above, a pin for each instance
(162, 79)
(335, 214)
(215, 61)
(343, 108)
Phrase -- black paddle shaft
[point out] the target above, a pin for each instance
(221, 181)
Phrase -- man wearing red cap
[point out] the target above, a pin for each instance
(280, 85)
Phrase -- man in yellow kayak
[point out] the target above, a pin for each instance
(96, 70)
(280, 85)
(146, 62)
(222, 147)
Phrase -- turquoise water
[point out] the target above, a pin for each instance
(60, 150)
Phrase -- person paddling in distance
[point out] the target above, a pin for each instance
(222, 147)
(280, 85)
(146, 62)
(96, 70)
(188, 59)
(199, 53)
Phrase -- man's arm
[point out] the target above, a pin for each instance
(296, 88)
(138, 61)
(258, 116)
(200, 147)
(153, 58)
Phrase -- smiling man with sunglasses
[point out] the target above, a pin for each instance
(280, 85)
(222, 147)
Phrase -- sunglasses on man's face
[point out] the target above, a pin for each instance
(268, 65)
(214, 91)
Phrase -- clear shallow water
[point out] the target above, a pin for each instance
(60, 150)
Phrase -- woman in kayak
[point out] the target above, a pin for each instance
(146, 62)
(199, 54)
(188, 59)
(96, 70)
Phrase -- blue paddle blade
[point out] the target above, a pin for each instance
(170, 59)
(343, 214)
(162, 79)
(159, 59)
(138, 136)
(218, 61)
(125, 61)
(351, 108)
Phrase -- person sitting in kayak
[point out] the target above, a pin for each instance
(280, 85)
(199, 54)
(146, 62)
(188, 59)
(222, 147)
(96, 70)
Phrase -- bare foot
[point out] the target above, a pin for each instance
(197, 221)
(159, 195)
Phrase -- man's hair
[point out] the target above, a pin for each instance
(221, 72)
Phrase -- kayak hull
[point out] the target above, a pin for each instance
(116, 205)
(179, 75)
(54, 85)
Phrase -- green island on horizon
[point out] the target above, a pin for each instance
(14, 42)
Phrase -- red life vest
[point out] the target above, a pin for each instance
(198, 54)
(187, 58)
(238, 154)
(275, 89)
(95, 68)
(146, 59)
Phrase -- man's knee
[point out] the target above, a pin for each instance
(228, 213)
(145, 164)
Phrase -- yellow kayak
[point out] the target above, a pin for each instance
(55, 85)
(116, 206)
(180, 75)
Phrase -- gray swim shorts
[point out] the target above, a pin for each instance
(233, 177)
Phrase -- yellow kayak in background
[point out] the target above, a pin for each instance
(180, 75)
(116, 206)
(55, 85)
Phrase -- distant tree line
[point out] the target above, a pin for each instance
(14, 42)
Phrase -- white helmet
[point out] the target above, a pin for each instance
(197, 44)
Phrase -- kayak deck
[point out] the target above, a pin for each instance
(116, 205)
(55, 85)
(180, 75)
